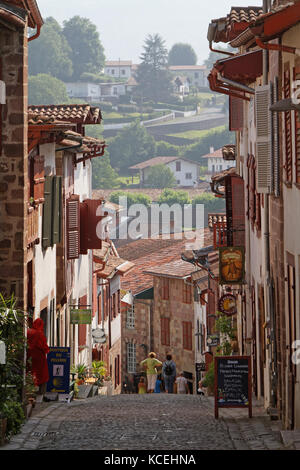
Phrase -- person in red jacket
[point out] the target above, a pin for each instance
(37, 351)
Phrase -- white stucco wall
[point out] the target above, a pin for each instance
(45, 260)
(186, 167)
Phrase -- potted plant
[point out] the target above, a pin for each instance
(81, 371)
(98, 372)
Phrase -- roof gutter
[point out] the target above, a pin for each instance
(276, 47)
(237, 85)
(219, 51)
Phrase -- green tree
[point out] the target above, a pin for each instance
(50, 53)
(104, 176)
(182, 54)
(153, 78)
(160, 176)
(87, 52)
(210, 202)
(132, 198)
(164, 149)
(131, 146)
(202, 147)
(171, 196)
(45, 89)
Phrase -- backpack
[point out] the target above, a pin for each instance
(169, 368)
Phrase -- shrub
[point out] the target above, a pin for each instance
(132, 198)
(171, 196)
(127, 108)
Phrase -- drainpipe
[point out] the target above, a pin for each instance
(37, 34)
(238, 85)
(220, 51)
(267, 222)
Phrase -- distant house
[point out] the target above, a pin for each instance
(197, 74)
(186, 172)
(118, 68)
(181, 85)
(216, 162)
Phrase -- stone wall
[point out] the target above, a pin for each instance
(13, 164)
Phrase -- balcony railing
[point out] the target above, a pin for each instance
(218, 225)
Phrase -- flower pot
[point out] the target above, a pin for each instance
(3, 424)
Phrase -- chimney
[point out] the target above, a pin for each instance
(212, 150)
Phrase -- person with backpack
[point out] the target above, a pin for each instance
(169, 373)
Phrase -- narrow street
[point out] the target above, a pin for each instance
(146, 422)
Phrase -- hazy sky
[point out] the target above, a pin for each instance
(124, 24)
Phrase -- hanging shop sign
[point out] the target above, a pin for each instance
(59, 370)
(233, 383)
(80, 316)
(232, 265)
(213, 341)
(227, 304)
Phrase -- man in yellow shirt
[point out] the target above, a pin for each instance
(151, 363)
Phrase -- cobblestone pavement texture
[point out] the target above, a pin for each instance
(148, 422)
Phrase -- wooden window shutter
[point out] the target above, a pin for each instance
(73, 227)
(297, 132)
(47, 213)
(276, 147)
(56, 211)
(288, 126)
(236, 114)
(235, 211)
(38, 178)
(89, 239)
(263, 138)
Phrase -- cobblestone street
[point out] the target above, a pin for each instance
(148, 422)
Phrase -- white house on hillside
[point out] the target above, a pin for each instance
(216, 162)
(197, 74)
(118, 68)
(186, 172)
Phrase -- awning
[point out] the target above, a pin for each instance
(244, 68)
(231, 76)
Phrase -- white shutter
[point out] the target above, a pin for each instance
(276, 149)
(263, 138)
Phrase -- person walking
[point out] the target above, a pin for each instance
(169, 373)
(151, 364)
(182, 386)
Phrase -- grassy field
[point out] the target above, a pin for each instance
(196, 135)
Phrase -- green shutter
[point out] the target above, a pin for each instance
(47, 213)
(56, 212)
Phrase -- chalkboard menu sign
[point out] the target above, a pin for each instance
(233, 383)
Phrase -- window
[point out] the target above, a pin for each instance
(131, 358)
(165, 331)
(178, 166)
(123, 72)
(178, 181)
(188, 176)
(196, 74)
(130, 319)
(112, 71)
(117, 371)
(113, 305)
(187, 294)
(187, 335)
(165, 288)
(52, 211)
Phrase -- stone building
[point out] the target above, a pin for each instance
(259, 80)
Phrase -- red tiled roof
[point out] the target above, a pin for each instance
(145, 247)
(118, 63)
(138, 280)
(237, 21)
(216, 154)
(177, 269)
(153, 161)
(75, 113)
(270, 25)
